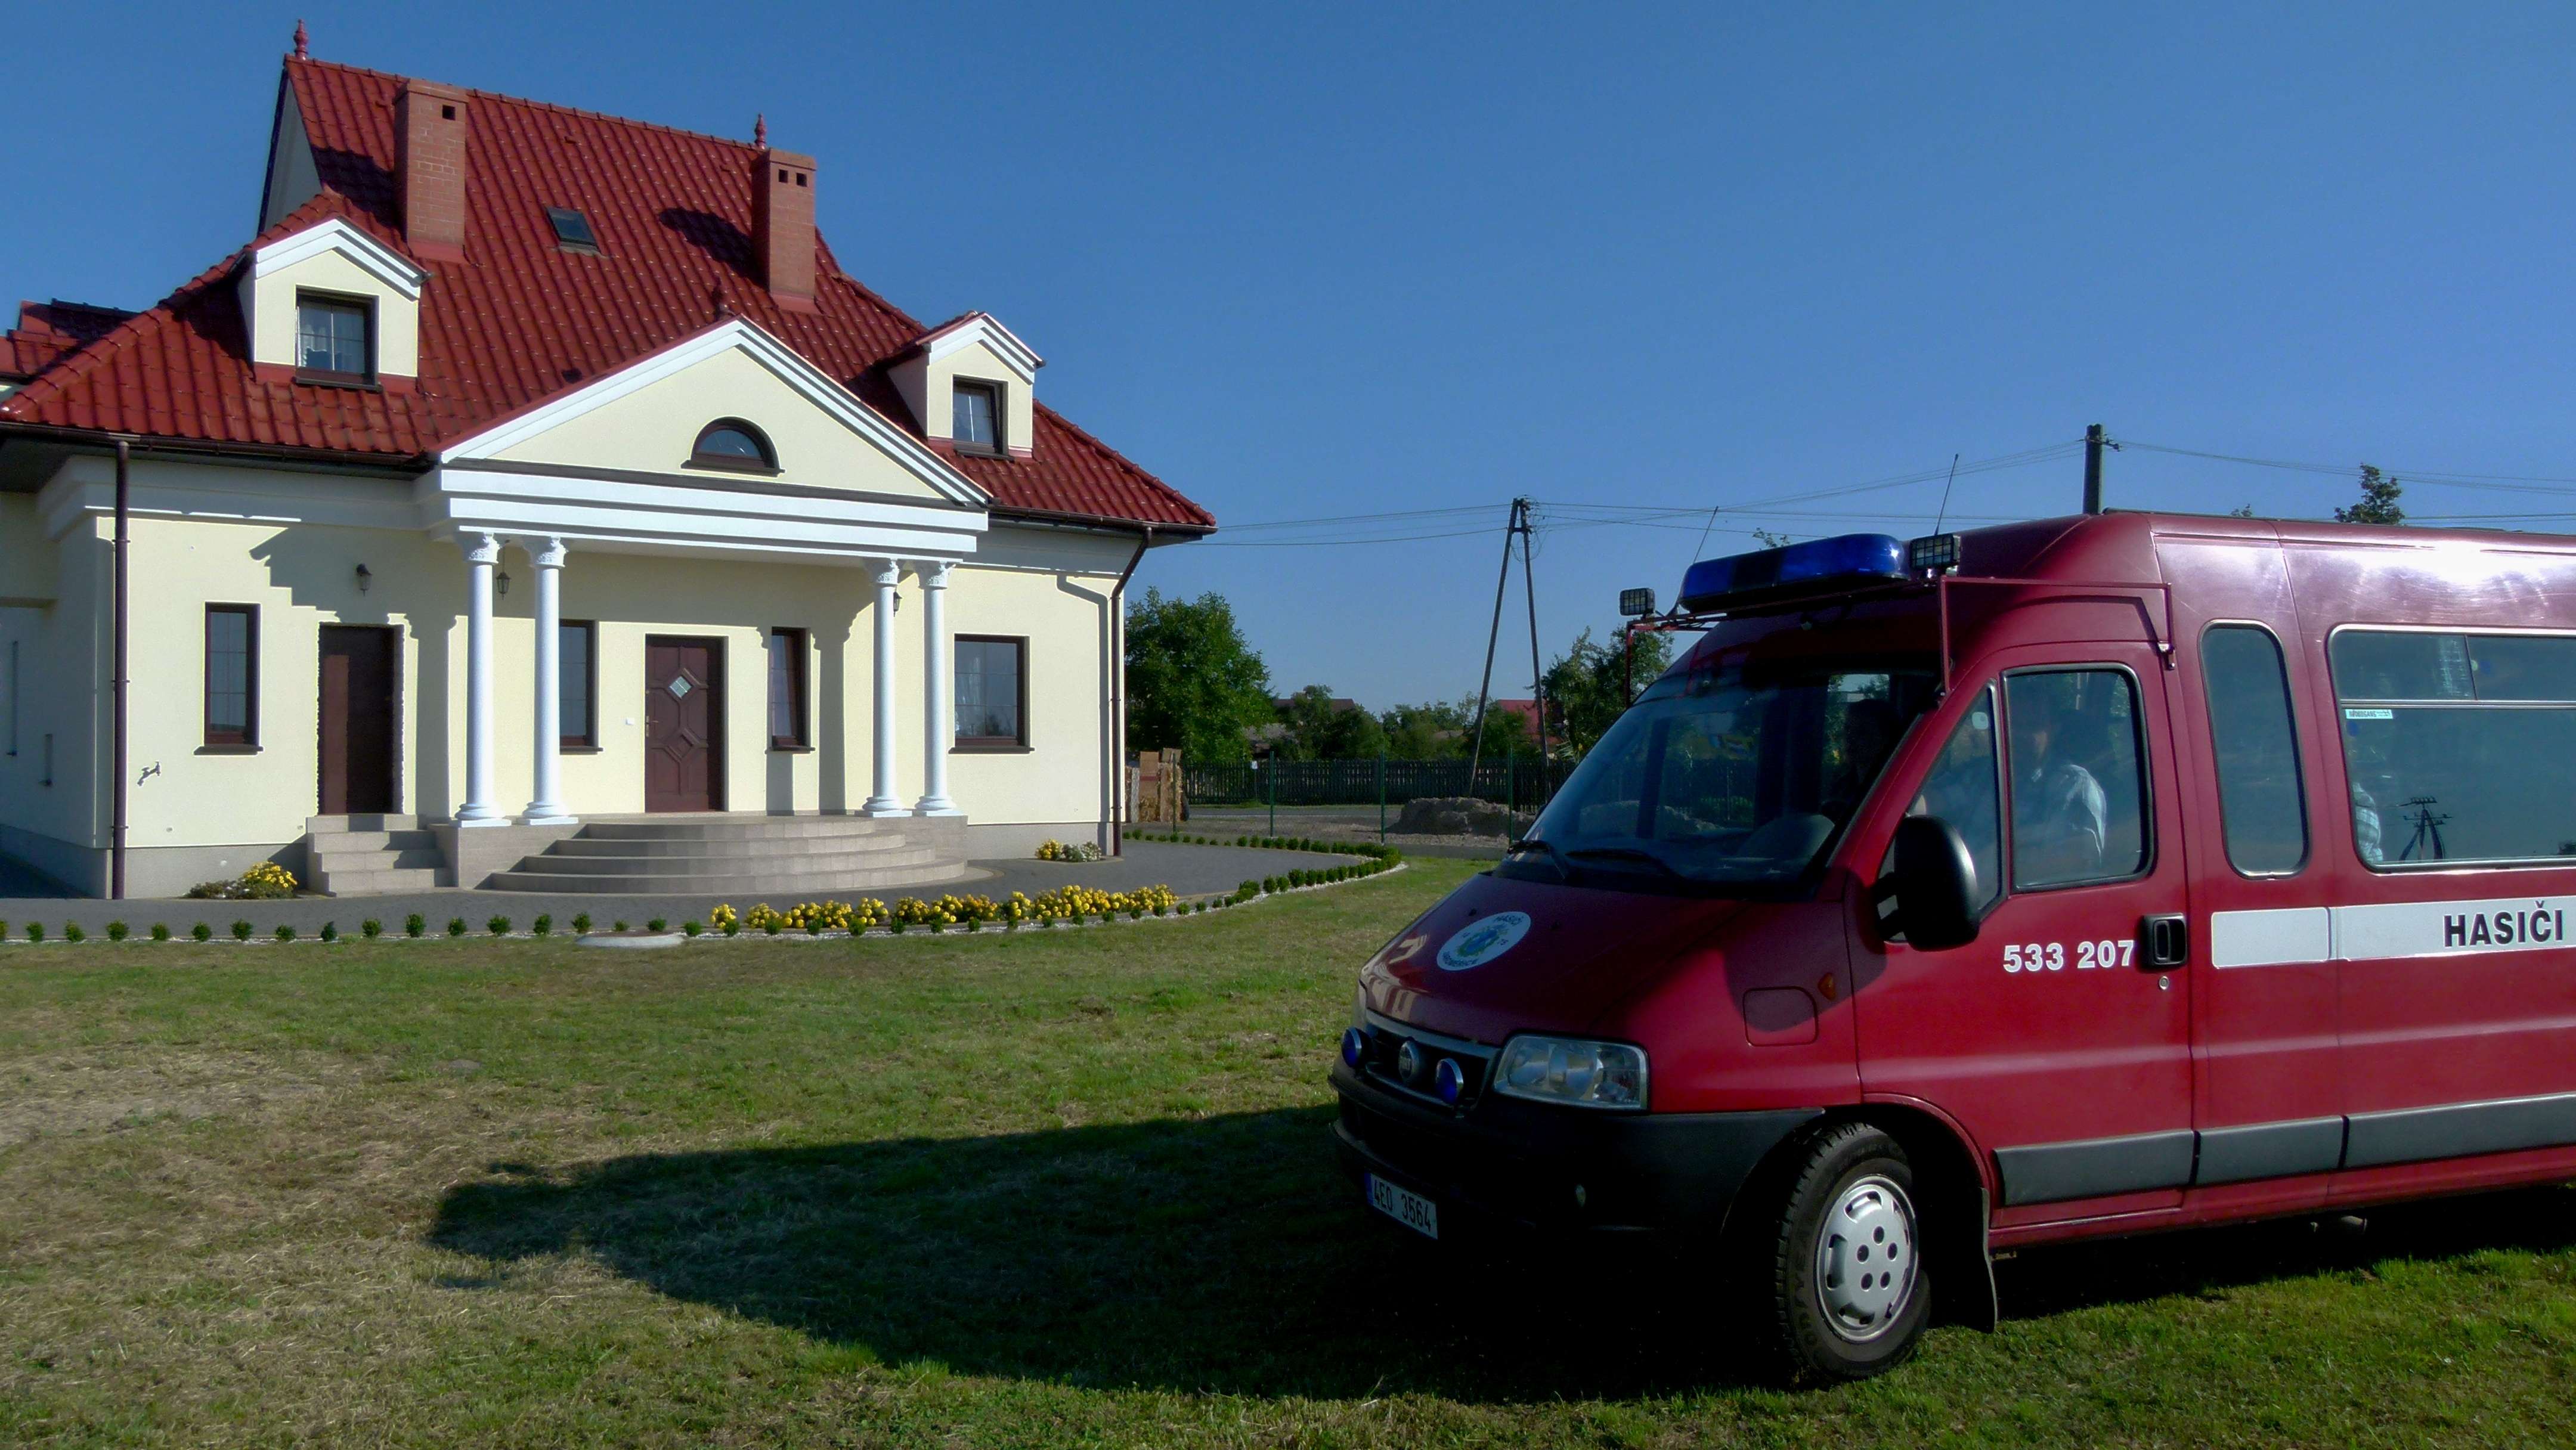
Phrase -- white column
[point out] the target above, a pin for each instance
(482, 551)
(939, 728)
(881, 800)
(546, 809)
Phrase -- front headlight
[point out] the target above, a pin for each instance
(1569, 1070)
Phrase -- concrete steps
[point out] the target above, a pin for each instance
(749, 856)
(370, 855)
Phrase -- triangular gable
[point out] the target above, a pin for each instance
(626, 421)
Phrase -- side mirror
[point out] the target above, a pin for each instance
(1935, 881)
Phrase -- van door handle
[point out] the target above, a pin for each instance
(2168, 942)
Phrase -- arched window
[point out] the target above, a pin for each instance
(733, 443)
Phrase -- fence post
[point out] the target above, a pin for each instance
(1273, 773)
(1511, 780)
(1381, 795)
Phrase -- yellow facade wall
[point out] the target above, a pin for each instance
(304, 576)
(653, 430)
(978, 362)
(27, 574)
(273, 306)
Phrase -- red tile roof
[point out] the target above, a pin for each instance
(48, 332)
(520, 319)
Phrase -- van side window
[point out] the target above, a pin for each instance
(2078, 798)
(1961, 788)
(2455, 745)
(2259, 800)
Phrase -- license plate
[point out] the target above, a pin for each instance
(1404, 1206)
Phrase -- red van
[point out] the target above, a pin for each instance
(2071, 878)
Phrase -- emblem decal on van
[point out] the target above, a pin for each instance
(1481, 942)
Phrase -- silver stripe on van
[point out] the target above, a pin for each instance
(2308, 934)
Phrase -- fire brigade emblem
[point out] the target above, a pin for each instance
(1480, 943)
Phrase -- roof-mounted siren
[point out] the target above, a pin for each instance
(1932, 554)
(1636, 603)
(1816, 569)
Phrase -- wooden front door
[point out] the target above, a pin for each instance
(356, 718)
(683, 724)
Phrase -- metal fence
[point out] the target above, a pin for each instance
(1520, 781)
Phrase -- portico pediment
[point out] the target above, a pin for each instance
(647, 417)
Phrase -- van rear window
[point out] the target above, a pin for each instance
(2457, 745)
(2259, 800)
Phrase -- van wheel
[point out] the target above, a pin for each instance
(1849, 1291)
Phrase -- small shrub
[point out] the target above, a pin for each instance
(330, 931)
(733, 926)
(581, 924)
(371, 928)
(160, 931)
(202, 932)
(35, 931)
(72, 932)
(285, 932)
(896, 926)
(545, 926)
(1247, 888)
(498, 926)
(456, 926)
(657, 924)
(691, 927)
(241, 931)
(621, 926)
(415, 925)
(116, 931)
(772, 925)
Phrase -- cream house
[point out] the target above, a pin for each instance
(534, 503)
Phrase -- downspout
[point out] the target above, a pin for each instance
(116, 683)
(1118, 697)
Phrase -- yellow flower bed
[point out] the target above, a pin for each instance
(270, 874)
(1064, 903)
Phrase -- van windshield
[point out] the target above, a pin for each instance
(1734, 776)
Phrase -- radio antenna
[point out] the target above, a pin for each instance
(1945, 494)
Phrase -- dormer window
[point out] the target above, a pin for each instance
(977, 426)
(734, 444)
(331, 341)
(572, 231)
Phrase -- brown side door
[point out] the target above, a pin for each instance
(683, 724)
(356, 718)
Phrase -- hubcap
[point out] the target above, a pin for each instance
(1865, 1260)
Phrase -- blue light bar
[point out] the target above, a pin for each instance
(1794, 571)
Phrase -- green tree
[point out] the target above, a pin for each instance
(2378, 500)
(1192, 681)
(1431, 730)
(1319, 730)
(1587, 687)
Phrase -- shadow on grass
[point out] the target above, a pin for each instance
(1228, 1254)
(1224, 1254)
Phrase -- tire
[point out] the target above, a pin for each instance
(1849, 1291)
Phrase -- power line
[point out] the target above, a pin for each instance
(2496, 482)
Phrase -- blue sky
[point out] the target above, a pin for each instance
(1323, 260)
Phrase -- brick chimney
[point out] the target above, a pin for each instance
(782, 226)
(429, 168)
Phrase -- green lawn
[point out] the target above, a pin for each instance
(1062, 1189)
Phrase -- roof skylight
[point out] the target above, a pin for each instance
(572, 230)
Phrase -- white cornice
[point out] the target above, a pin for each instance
(981, 327)
(334, 235)
(789, 366)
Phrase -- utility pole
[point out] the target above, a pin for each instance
(2093, 468)
(1485, 685)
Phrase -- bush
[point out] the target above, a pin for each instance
(116, 931)
(620, 926)
(35, 931)
(285, 932)
(241, 931)
(498, 926)
(456, 926)
(202, 932)
(330, 931)
(581, 924)
(733, 927)
(72, 932)
(657, 924)
(160, 931)
(691, 927)
(266, 881)
(545, 926)
(415, 926)
(371, 928)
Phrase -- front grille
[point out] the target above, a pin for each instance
(1382, 1059)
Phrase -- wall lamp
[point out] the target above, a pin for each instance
(364, 579)
(501, 581)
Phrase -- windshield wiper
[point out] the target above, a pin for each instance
(1555, 857)
(1625, 853)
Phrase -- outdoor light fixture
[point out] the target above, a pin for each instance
(1449, 1081)
(1636, 603)
(364, 578)
(1354, 1046)
(1932, 554)
(501, 581)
